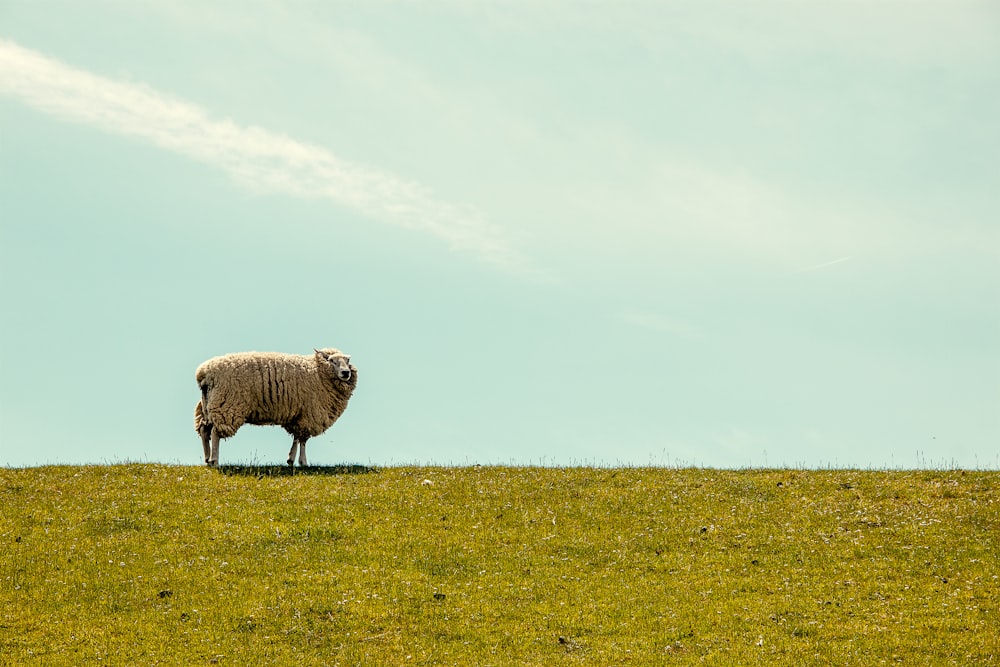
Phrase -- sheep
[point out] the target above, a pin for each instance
(302, 394)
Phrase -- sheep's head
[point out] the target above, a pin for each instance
(336, 362)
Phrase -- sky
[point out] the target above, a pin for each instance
(721, 234)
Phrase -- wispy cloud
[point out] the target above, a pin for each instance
(260, 159)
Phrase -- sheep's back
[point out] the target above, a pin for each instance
(272, 387)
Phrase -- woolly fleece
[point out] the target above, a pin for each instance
(303, 394)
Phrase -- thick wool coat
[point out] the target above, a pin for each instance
(302, 394)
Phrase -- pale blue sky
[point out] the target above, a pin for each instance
(717, 233)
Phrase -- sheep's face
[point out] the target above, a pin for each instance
(338, 363)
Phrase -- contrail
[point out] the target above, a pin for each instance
(826, 264)
(260, 159)
(659, 323)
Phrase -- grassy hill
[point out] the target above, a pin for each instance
(155, 564)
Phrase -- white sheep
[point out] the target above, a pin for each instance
(303, 394)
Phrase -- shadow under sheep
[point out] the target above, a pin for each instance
(259, 471)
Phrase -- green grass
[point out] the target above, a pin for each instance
(154, 564)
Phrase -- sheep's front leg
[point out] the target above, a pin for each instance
(213, 458)
(291, 453)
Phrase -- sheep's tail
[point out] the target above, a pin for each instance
(204, 402)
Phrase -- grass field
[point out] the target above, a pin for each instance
(155, 564)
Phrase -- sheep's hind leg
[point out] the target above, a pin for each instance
(291, 453)
(302, 453)
(205, 431)
(203, 426)
(213, 459)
